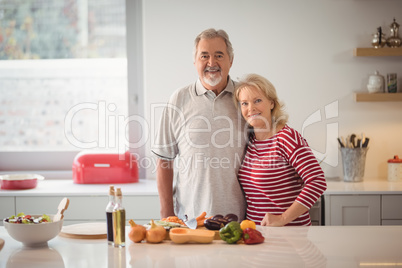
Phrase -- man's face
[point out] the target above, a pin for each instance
(213, 63)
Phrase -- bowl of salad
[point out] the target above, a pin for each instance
(32, 230)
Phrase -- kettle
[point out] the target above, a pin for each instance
(376, 83)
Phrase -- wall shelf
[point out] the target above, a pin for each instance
(385, 51)
(377, 97)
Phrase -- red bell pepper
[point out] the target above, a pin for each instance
(252, 236)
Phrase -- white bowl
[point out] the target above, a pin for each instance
(34, 235)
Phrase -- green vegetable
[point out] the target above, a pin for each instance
(231, 232)
(46, 217)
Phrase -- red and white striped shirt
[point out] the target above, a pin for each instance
(269, 176)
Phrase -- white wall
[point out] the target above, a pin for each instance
(305, 48)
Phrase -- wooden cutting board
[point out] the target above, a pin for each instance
(1, 243)
(90, 230)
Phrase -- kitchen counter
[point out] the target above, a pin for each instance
(335, 187)
(314, 246)
(148, 187)
(68, 187)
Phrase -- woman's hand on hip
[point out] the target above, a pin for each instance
(272, 220)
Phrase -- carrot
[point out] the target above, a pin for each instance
(202, 216)
(200, 223)
(173, 219)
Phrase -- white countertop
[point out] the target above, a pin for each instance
(68, 187)
(314, 246)
(148, 187)
(365, 187)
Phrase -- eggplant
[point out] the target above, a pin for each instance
(217, 216)
(231, 217)
(223, 221)
(211, 224)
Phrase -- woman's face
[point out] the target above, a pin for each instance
(255, 107)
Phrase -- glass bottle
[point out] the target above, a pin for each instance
(119, 221)
(109, 216)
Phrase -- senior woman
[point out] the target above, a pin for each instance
(277, 158)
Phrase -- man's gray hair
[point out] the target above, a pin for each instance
(212, 33)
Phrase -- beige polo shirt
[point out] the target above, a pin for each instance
(205, 134)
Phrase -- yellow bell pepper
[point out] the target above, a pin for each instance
(247, 224)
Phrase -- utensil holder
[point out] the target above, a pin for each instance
(354, 161)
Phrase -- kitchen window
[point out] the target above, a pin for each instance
(63, 79)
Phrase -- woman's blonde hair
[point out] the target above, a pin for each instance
(279, 116)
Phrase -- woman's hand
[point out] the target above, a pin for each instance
(294, 211)
(272, 220)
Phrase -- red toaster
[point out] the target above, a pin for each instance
(98, 168)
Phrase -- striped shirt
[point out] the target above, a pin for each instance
(269, 176)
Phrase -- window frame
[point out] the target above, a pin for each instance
(58, 164)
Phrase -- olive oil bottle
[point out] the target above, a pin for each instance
(109, 216)
(119, 221)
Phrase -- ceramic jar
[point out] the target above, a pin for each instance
(375, 83)
(395, 169)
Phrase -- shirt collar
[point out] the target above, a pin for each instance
(201, 90)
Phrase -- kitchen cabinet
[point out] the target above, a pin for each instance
(391, 210)
(87, 202)
(370, 202)
(7, 207)
(91, 208)
(354, 210)
(316, 213)
(363, 209)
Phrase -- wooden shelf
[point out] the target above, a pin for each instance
(377, 97)
(385, 51)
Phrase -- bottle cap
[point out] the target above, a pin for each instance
(395, 160)
(111, 190)
(118, 192)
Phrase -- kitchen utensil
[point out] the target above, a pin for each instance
(363, 140)
(97, 168)
(190, 223)
(19, 181)
(184, 235)
(61, 208)
(366, 141)
(375, 83)
(352, 140)
(395, 169)
(89, 230)
(34, 235)
(340, 142)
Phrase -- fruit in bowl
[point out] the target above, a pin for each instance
(33, 230)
